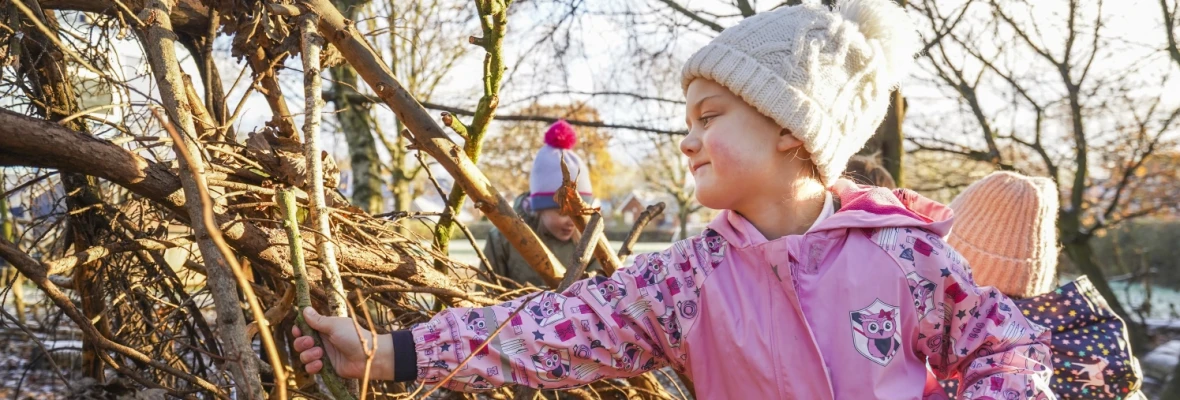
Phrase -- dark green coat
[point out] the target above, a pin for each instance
(507, 262)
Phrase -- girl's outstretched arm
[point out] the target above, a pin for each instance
(599, 328)
(976, 333)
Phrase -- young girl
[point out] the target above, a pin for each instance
(1005, 226)
(540, 212)
(806, 286)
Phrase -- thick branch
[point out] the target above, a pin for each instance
(189, 16)
(1170, 30)
(745, 8)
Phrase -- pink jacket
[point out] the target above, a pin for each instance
(853, 309)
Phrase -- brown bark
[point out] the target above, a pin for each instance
(190, 16)
(888, 142)
(86, 226)
(1079, 250)
(263, 64)
(430, 137)
(159, 43)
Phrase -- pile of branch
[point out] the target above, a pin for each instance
(226, 194)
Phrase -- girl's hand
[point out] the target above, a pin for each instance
(344, 348)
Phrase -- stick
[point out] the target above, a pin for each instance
(159, 44)
(584, 251)
(302, 291)
(312, 43)
(644, 218)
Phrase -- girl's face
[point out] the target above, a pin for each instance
(737, 155)
(560, 226)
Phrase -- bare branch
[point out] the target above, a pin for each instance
(693, 15)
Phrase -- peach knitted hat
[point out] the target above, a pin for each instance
(1006, 227)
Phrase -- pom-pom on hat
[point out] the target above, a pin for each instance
(560, 140)
(824, 74)
(561, 135)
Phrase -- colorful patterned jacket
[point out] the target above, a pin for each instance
(853, 309)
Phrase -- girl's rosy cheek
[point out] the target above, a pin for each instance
(720, 151)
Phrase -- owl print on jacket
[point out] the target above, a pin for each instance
(875, 332)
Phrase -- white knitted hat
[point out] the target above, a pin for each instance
(560, 140)
(825, 75)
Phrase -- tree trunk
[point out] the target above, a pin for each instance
(159, 44)
(362, 149)
(354, 122)
(86, 227)
(890, 138)
(683, 215)
(1172, 391)
(1080, 251)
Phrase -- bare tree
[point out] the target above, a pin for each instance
(1060, 111)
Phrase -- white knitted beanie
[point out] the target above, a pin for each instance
(560, 139)
(825, 75)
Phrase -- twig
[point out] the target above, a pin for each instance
(636, 230)
(369, 352)
(312, 43)
(584, 252)
(286, 199)
(36, 274)
(453, 122)
(40, 346)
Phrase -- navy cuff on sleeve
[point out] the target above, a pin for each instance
(405, 358)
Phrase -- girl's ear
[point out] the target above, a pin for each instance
(787, 141)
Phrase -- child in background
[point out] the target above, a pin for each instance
(540, 211)
(806, 286)
(865, 170)
(1005, 226)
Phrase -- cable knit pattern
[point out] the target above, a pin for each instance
(824, 75)
(1006, 225)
